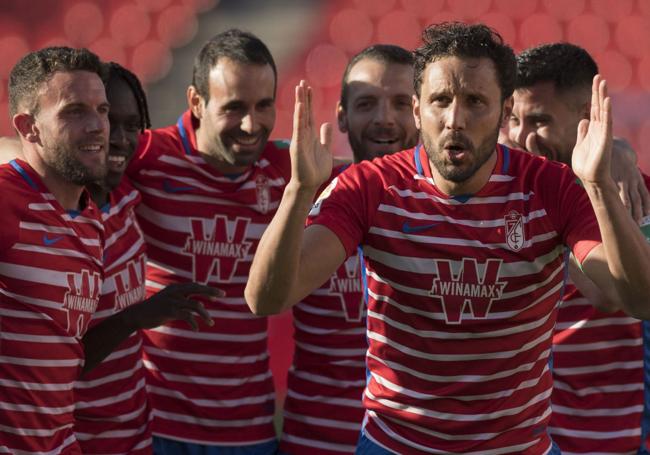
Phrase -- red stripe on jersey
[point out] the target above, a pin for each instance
(461, 297)
(323, 409)
(598, 379)
(112, 413)
(213, 386)
(50, 282)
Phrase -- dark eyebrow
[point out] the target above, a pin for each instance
(536, 116)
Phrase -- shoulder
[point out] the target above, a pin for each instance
(276, 156)
(539, 170)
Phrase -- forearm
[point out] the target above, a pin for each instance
(626, 250)
(272, 281)
(105, 337)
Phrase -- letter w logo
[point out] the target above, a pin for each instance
(467, 289)
(129, 280)
(81, 298)
(347, 286)
(216, 244)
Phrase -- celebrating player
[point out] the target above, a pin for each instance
(463, 241)
(50, 244)
(323, 409)
(599, 378)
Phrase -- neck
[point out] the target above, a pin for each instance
(99, 193)
(214, 160)
(469, 186)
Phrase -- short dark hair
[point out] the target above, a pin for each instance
(566, 65)
(383, 53)
(117, 71)
(39, 66)
(235, 44)
(456, 39)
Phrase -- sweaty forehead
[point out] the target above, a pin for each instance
(456, 74)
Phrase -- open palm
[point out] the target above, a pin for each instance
(593, 149)
(311, 159)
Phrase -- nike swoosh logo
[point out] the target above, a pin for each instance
(170, 188)
(406, 227)
(51, 241)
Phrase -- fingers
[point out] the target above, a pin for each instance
(198, 308)
(531, 144)
(326, 135)
(624, 194)
(636, 205)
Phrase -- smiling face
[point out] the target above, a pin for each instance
(378, 116)
(125, 122)
(459, 112)
(72, 125)
(237, 120)
(552, 116)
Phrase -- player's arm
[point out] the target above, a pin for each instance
(589, 290)
(620, 266)
(10, 149)
(291, 261)
(172, 303)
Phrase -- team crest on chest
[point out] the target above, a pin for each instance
(216, 247)
(514, 229)
(80, 300)
(347, 286)
(467, 289)
(263, 192)
(129, 284)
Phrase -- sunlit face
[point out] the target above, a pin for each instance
(552, 116)
(125, 123)
(378, 116)
(459, 113)
(72, 125)
(237, 120)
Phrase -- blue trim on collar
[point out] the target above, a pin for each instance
(23, 174)
(184, 139)
(73, 213)
(106, 208)
(506, 159)
(418, 164)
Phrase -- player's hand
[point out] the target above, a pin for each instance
(311, 159)
(628, 179)
(593, 149)
(175, 302)
(535, 145)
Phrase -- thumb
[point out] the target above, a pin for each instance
(583, 127)
(531, 144)
(326, 135)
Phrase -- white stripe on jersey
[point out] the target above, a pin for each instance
(319, 421)
(192, 335)
(115, 398)
(208, 380)
(599, 368)
(326, 380)
(206, 357)
(595, 323)
(612, 388)
(326, 399)
(109, 378)
(598, 412)
(318, 444)
(54, 251)
(320, 331)
(213, 422)
(597, 345)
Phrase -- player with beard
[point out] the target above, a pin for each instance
(600, 377)
(464, 242)
(323, 409)
(210, 184)
(50, 244)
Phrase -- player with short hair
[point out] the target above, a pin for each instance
(323, 409)
(463, 241)
(51, 244)
(209, 186)
(599, 357)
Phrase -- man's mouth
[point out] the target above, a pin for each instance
(247, 141)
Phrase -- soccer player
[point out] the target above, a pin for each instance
(112, 412)
(463, 241)
(599, 365)
(323, 409)
(50, 245)
(210, 184)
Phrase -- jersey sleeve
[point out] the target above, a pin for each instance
(345, 206)
(9, 228)
(572, 212)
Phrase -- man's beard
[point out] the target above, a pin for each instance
(68, 167)
(459, 174)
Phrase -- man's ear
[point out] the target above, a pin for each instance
(195, 102)
(341, 118)
(507, 110)
(25, 124)
(416, 112)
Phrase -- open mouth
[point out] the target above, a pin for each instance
(246, 141)
(455, 150)
(384, 141)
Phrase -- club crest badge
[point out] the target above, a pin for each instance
(315, 209)
(514, 229)
(263, 193)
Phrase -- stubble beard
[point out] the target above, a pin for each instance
(69, 168)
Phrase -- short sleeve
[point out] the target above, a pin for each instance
(345, 207)
(570, 209)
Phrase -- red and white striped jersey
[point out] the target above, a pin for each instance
(600, 379)
(50, 282)
(112, 411)
(462, 294)
(213, 386)
(323, 410)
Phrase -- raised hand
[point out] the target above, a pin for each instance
(592, 152)
(311, 159)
